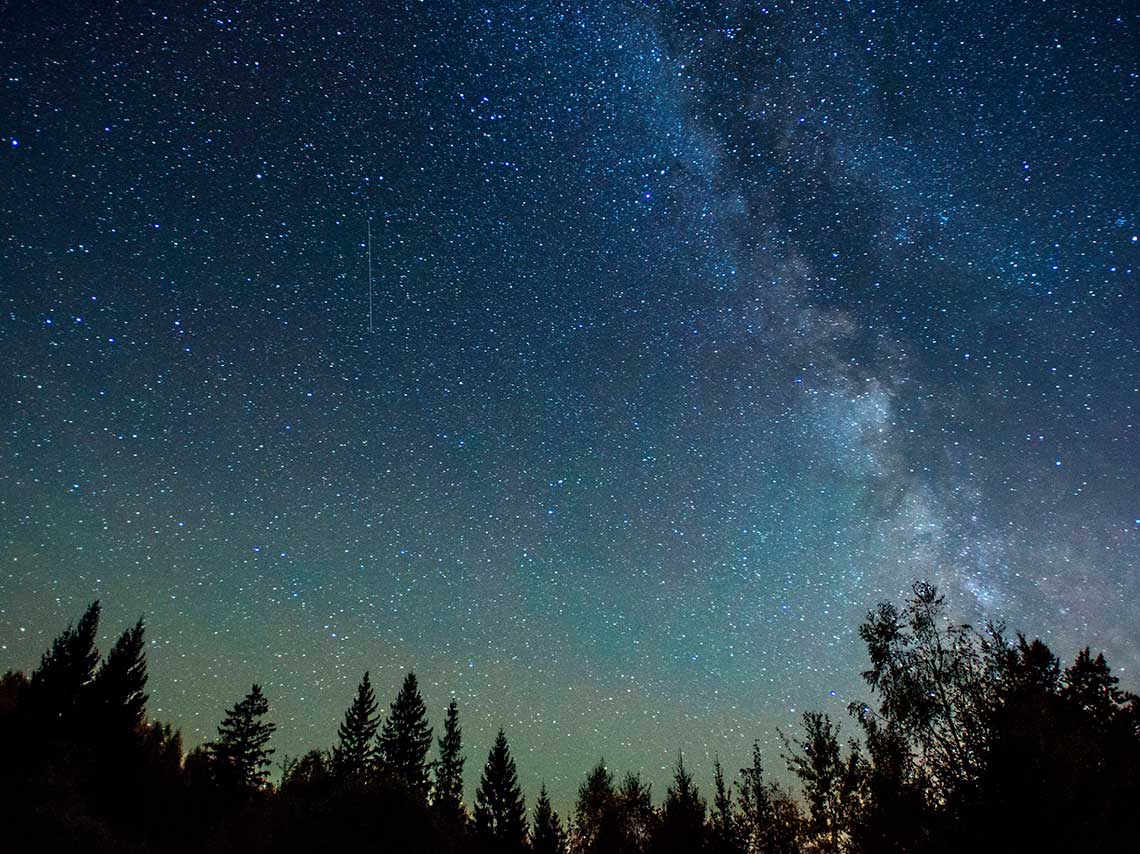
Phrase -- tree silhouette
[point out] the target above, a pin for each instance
(724, 825)
(500, 811)
(307, 776)
(831, 784)
(447, 794)
(893, 817)
(60, 684)
(935, 687)
(353, 757)
(1088, 684)
(239, 758)
(756, 810)
(119, 686)
(13, 693)
(979, 742)
(548, 837)
(596, 823)
(682, 825)
(635, 819)
(405, 739)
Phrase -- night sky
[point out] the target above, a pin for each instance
(697, 329)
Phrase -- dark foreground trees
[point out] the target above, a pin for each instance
(969, 740)
(354, 757)
(405, 739)
(240, 758)
(548, 835)
(447, 792)
(500, 811)
(979, 741)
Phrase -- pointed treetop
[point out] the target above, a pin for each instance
(354, 755)
(61, 682)
(548, 836)
(120, 683)
(239, 757)
(500, 810)
(447, 793)
(405, 739)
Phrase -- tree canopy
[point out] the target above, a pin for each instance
(969, 739)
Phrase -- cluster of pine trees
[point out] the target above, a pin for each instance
(974, 739)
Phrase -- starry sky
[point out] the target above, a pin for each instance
(696, 329)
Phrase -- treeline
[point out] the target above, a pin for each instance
(973, 740)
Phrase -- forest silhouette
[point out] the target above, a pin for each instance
(969, 739)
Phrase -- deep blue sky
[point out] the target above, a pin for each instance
(698, 329)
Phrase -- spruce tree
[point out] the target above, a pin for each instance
(597, 824)
(635, 821)
(1088, 684)
(500, 811)
(755, 803)
(353, 756)
(239, 758)
(405, 739)
(447, 797)
(119, 687)
(60, 685)
(726, 837)
(548, 837)
(682, 826)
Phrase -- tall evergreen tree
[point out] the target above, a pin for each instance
(635, 821)
(119, 687)
(596, 824)
(405, 739)
(447, 794)
(239, 758)
(724, 824)
(60, 685)
(500, 810)
(353, 757)
(1088, 684)
(682, 826)
(548, 837)
(755, 802)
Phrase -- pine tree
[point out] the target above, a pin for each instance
(353, 756)
(119, 687)
(724, 824)
(597, 825)
(239, 758)
(405, 739)
(1088, 684)
(635, 820)
(682, 826)
(755, 802)
(548, 837)
(500, 811)
(60, 685)
(447, 796)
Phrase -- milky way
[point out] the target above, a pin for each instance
(699, 328)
